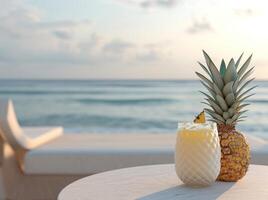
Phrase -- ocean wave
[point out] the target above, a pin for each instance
(261, 101)
(92, 121)
(127, 101)
(47, 92)
(85, 92)
(110, 124)
(138, 106)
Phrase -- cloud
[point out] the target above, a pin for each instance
(199, 27)
(161, 3)
(245, 12)
(117, 46)
(149, 56)
(151, 3)
(32, 47)
(65, 35)
(26, 40)
(61, 42)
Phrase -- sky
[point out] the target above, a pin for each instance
(128, 39)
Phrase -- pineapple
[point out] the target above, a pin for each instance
(227, 92)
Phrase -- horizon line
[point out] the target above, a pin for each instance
(102, 79)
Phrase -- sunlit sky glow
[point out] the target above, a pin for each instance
(127, 39)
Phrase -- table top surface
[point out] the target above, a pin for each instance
(160, 182)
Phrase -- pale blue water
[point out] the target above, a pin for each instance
(120, 106)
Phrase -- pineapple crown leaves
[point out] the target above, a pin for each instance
(228, 89)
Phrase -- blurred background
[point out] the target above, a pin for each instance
(110, 66)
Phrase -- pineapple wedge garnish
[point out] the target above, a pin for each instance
(200, 118)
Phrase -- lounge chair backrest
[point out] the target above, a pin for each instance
(9, 126)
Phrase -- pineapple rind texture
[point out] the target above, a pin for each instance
(235, 156)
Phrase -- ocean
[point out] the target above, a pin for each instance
(120, 106)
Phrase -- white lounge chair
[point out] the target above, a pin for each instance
(15, 143)
(38, 162)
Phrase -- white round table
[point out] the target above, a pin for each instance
(160, 182)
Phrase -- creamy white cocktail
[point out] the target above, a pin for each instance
(198, 154)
